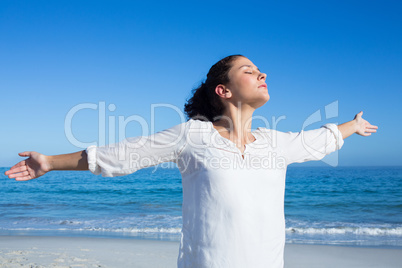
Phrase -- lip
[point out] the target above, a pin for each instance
(263, 85)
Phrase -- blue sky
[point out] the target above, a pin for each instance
(56, 55)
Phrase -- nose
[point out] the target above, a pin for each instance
(262, 76)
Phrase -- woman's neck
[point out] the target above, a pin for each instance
(235, 125)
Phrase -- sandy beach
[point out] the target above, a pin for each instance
(40, 251)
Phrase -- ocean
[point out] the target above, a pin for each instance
(354, 206)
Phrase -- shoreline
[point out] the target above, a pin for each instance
(175, 237)
(58, 251)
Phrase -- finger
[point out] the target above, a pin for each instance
(359, 114)
(372, 126)
(11, 170)
(25, 178)
(22, 163)
(16, 169)
(371, 130)
(25, 154)
(17, 175)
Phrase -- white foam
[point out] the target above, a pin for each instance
(372, 231)
(95, 229)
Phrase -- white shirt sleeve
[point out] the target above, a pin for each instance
(298, 147)
(135, 153)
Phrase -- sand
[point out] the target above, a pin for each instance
(41, 251)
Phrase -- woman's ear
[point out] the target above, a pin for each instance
(223, 92)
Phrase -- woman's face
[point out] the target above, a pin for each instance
(247, 84)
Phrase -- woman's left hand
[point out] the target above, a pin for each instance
(363, 127)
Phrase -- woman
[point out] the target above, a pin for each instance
(233, 178)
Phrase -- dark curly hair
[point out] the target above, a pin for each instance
(205, 104)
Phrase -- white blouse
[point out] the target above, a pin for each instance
(233, 203)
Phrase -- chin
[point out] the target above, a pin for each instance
(266, 99)
(263, 102)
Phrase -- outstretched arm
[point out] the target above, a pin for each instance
(38, 164)
(358, 125)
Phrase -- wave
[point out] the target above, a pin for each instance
(371, 231)
(397, 231)
(107, 230)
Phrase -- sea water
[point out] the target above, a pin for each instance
(360, 206)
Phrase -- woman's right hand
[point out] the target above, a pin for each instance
(35, 166)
